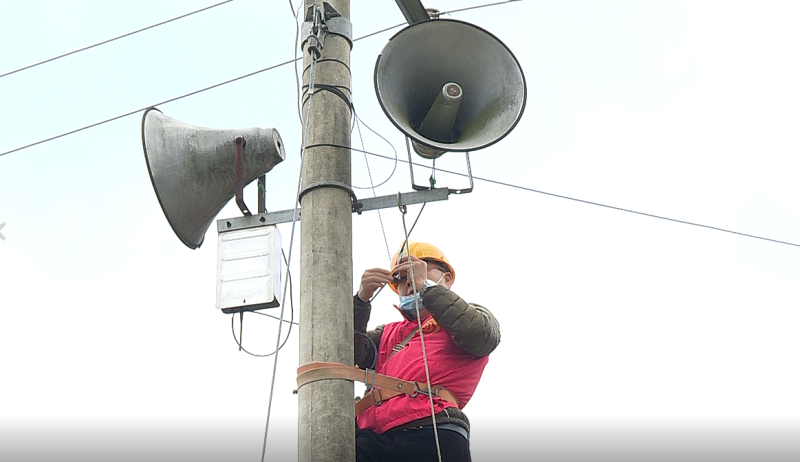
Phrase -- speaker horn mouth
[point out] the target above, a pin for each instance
(450, 86)
(192, 168)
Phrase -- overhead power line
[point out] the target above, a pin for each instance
(121, 116)
(510, 185)
(112, 39)
(354, 149)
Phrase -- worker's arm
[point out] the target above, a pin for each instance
(365, 346)
(365, 343)
(472, 327)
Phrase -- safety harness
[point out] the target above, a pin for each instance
(381, 387)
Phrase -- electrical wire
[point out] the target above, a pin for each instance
(277, 318)
(312, 77)
(296, 13)
(417, 219)
(113, 39)
(524, 188)
(369, 172)
(152, 105)
(358, 122)
(204, 89)
(374, 347)
(291, 318)
(478, 6)
(421, 334)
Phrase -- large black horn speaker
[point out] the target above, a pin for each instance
(450, 86)
(192, 168)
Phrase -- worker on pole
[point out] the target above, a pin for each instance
(442, 344)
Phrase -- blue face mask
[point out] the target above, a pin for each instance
(408, 304)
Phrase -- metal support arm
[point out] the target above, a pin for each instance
(363, 205)
(413, 11)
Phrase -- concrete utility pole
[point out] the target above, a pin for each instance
(326, 415)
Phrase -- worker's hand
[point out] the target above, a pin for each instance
(372, 280)
(402, 272)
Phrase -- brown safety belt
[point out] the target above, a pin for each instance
(383, 386)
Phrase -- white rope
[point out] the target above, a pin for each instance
(421, 336)
(372, 185)
(312, 76)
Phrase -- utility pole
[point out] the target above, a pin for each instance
(326, 429)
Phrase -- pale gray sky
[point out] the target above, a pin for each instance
(621, 332)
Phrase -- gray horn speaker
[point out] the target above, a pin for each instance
(192, 168)
(449, 86)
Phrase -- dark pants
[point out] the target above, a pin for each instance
(415, 444)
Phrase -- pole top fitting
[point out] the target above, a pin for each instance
(320, 23)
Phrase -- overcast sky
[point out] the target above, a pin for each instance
(624, 335)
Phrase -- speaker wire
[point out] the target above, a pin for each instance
(374, 193)
(296, 13)
(312, 77)
(524, 188)
(291, 320)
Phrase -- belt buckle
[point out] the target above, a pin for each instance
(367, 381)
(372, 393)
(425, 391)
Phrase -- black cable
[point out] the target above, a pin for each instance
(152, 105)
(291, 317)
(115, 38)
(585, 201)
(241, 348)
(336, 90)
(297, 59)
(479, 6)
(276, 318)
(380, 31)
(193, 93)
(417, 219)
(374, 347)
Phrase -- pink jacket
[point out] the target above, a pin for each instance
(450, 366)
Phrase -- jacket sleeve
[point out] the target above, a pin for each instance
(365, 344)
(472, 327)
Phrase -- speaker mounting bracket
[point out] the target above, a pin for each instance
(318, 24)
(413, 11)
(370, 203)
(418, 187)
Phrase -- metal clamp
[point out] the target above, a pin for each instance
(341, 26)
(369, 383)
(426, 392)
(313, 31)
(320, 23)
(356, 205)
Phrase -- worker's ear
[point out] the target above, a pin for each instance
(447, 280)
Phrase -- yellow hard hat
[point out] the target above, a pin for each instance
(423, 251)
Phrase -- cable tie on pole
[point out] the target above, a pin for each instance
(356, 205)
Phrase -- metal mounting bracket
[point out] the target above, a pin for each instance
(356, 205)
(372, 203)
(418, 187)
(413, 11)
(318, 24)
